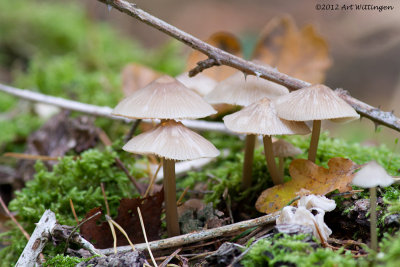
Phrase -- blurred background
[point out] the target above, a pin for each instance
(75, 49)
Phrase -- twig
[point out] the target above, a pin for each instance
(103, 191)
(132, 130)
(202, 235)
(145, 237)
(169, 258)
(219, 57)
(178, 203)
(38, 240)
(28, 156)
(101, 111)
(76, 228)
(73, 211)
(27, 236)
(108, 218)
(121, 165)
(152, 180)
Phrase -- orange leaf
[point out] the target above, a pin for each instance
(225, 41)
(307, 175)
(302, 54)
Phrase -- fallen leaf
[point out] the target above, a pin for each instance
(222, 40)
(303, 54)
(307, 175)
(136, 76)
(128, 219)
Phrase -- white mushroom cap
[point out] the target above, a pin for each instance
(261, 118)
(238, 90)
(372, 175)
(164, 98)
(172, 140)
(282, 148)
(200, 83)
(317, 102)
(320, 202)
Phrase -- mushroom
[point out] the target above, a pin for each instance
(168, 99)
(201, 84)
(371, 176)
(261, 118)
(243, 91)
(283, 149)
(316, 103)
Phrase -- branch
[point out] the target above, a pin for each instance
(100, 111)
(181, 240)
(219, 57)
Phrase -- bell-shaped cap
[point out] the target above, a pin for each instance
(243, 91)
(164, 98)
(372, 175)
(261, 118)
(172, 140)
(316, 102)
(201, 84)
(282, 148)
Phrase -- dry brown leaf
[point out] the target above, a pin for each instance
(136, 76)
(128, 219)
(302, 54)
(225, 41)
(307, 175)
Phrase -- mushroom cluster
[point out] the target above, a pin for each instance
(243, 91)
(168, 100)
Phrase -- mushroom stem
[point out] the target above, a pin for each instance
(269, 155)
(171, 210)
(248, 161)
(372, 217)
(281, 168)
(316, 129)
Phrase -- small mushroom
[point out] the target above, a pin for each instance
(371, 176)
(283, 149)
(243, 91)
(261, 118)
(316, 103)
(168, 99)
(201, 84)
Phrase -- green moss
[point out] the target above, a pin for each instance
(64, 261)
(77, 179)
(293, 251)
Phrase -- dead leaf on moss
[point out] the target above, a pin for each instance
(225, 41)
(128, 219)
(303, 54)
(307, 175)
(136, 76)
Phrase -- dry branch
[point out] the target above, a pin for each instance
(181, 240)
(219, 57)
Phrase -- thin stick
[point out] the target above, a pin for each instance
(108, 218)
(114, 235)
(29, 156)
(121, 165)
(152, 180)
(201, 235)
(178, 203)
(219, 57)
(145, 237)
(171, 210)
(269, 156)
(248, 161)
(132, 130)
(316, 129)
(169, 258)
(105, 198)
(25, 233)
(76, 228)
(372, 218)
(73, 210)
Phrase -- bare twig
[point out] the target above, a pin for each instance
(219, 57)
(121, 165)
(200, 236)
(29, 156)
(101, 111)
(27, 236)
(145, 237)
(169, 258)
(73, 211)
